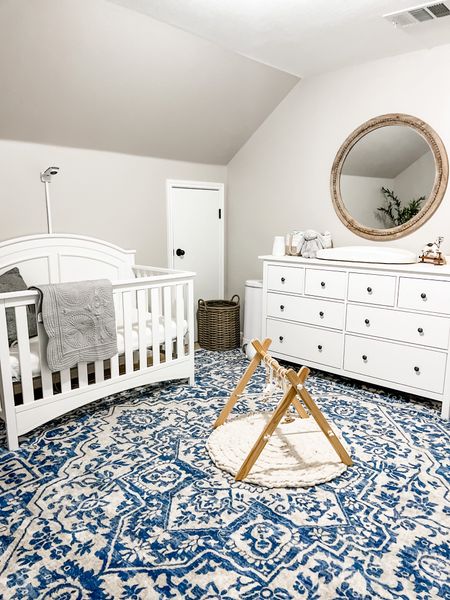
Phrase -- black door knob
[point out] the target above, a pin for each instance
(369, 290)
(283, 280)
(281, 338)
(364, 357)
(420, 330)
(180, 252)
(416, 369)
(366, 321)
(423, 295)
(319, 346)
(322, 283)
(321, 313)
(281, 306)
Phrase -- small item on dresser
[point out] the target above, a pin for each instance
(312, 242)
(432, 253)
(327, 240)
(307, 243)
(289, 249)
(294, 242)
(278, 248)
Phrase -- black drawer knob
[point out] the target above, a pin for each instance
(364, 357)
(281, 338)
(321, 313)
(416, 369)
(281, 306)
(366, 321)
(420, 330)
(319, 346)
(283, 280)
(369, 290)
(322, 283)
(423, 295)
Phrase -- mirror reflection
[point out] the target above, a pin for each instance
(387, 177)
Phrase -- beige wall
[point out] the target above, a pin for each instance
(115, 197)
(279, 180)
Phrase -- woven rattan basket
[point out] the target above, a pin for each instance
(218, 324)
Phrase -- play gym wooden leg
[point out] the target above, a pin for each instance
(242, 384)
(301, 376)
(261, 442)
(325, 427)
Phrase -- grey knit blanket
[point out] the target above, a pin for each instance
(79, 320)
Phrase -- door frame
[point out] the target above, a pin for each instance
(172, 184)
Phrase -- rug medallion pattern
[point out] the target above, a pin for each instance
(120, 500)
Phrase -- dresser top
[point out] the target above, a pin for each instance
(417, 268)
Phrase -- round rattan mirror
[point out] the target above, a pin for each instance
(389, 176)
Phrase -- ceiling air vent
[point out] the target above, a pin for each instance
(419, 14)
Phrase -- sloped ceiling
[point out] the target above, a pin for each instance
(303, 37)
(92, 74)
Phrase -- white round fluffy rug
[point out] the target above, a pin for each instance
(297, 455)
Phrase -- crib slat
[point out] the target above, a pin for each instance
(190, 319)
(114, 362)
(180, 321)
(82, 374)
(46, 374)
(23, 343)
(154, 295)
(168, 322)
(115, 366)
(9, 411)
(127, 331)
(99, 371)
(66, 384)
(142, 323)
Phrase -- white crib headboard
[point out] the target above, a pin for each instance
(60, 257)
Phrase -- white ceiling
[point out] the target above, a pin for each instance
(91, 74)
(302, 37)
(385, 152)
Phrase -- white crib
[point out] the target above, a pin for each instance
(155, 322)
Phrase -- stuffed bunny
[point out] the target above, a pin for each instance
(306, 243)
(312, 241)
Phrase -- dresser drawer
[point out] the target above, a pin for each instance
(372, 289)
(415, 328)
(314, 311)
(328, 284)
(394, 363)
(285, 279)
(307, 344)
(424, 294)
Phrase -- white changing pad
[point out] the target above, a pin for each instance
(34, 344)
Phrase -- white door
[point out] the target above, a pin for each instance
(196, 235)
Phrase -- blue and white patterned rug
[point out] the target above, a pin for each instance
(121, 501)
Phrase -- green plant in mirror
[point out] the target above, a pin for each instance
(394, 212)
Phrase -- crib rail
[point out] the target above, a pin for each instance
(155, 328)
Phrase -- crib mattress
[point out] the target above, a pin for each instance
(34, 344)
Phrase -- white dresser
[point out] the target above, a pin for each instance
(384, 324)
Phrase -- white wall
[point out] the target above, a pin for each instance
(279, 180)
(116, 197)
